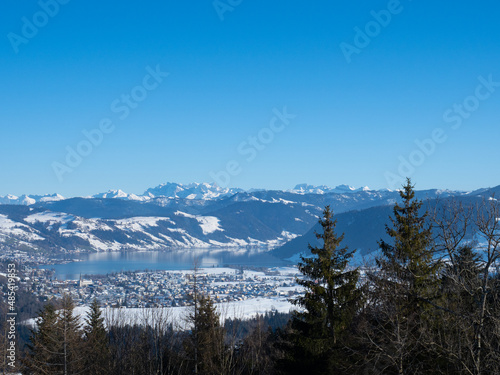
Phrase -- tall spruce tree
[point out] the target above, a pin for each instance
(332, 297)
(205, 345)
(405, 285)
(408, 261)
(70, 333)
(97, 353)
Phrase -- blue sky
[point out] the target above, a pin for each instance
(420, 69)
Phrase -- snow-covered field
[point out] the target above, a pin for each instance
(178, 315)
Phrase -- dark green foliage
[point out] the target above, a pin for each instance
(272, 320)
(205, 345)
(408, 262)
(69, 329)
(44, 350)
(318, 336)
(405, 284)
(97, 355)
(56, 343)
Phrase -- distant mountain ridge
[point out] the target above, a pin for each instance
(323, 189)
(27, 200)
(194, 215)
(203, 191)
(196, 191)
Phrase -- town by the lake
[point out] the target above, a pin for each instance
(159, 288)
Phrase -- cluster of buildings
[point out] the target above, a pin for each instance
(163, 288)
(29, 260)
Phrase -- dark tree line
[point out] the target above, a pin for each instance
(429, 304)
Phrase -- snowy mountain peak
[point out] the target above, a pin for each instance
(323, 189)
(120, 194)
(28, 200)
(211, 191)
(344, 189)
(51, 198)
(111, 194)
(198, 191)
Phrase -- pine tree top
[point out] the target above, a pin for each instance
(409, 259)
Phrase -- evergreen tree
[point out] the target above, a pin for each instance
(405, 285)
(97, 354)
(205, 346)
(69, 331)
(43, 355)
(408, 262)
(332, 297)
(56, 342)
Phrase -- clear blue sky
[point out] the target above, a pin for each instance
(355, 121)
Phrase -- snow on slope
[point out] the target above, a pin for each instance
(139, 223)
(208, 224)
(12, 228)
(140, 233)
(50, 218)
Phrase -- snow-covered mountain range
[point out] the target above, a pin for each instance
(200, 191)
(195, 191)
(195, 215)
(29, 199)
(323, 189)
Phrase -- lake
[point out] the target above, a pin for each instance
(109, 262)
